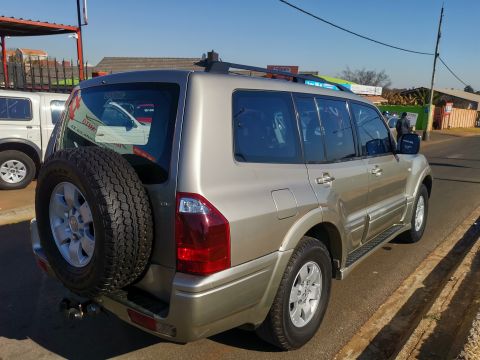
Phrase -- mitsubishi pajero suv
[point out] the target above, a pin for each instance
(188, 203)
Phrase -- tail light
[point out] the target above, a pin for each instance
(202, 236)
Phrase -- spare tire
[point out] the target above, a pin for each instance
(94, 220)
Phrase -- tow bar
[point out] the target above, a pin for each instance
(75, 310)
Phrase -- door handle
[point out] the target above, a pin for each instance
(29, 127)
(377, 171)
(324, 179)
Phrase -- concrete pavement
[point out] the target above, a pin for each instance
(31, 328)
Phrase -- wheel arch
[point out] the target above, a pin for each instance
(428, 182)
(322, 225)
(25, 146)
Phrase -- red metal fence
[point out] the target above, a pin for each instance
(49, 75)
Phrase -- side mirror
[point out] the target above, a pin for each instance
(409, 144)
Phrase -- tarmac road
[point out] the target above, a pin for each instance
(32, 328)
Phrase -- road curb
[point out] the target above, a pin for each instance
(390, 328)
(17, 215)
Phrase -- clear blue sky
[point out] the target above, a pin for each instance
(261, 32)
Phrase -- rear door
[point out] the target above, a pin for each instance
(338, 177)
(387, 175)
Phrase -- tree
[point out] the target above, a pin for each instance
(469, 89)
(366, 77)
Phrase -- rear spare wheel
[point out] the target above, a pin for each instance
(94, 220)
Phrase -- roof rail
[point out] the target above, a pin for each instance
(221, 67)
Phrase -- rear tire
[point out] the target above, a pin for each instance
(419, 217)
(17, 170)
(119, 223)
(288, 326)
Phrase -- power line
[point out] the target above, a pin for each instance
(352, 32)
(451, 72)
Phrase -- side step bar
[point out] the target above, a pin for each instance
(355, 256)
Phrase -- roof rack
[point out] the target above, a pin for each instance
(212, 65)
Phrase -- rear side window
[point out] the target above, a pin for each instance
(15, 108)
(56, 109)
(337, 127)
(374, 135)
(265, 127)
(311, 132)
(135, 120)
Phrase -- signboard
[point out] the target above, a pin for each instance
(286, 68)
(321, 84)
(448, 107)
(364, 89)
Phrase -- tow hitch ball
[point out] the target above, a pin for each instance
(75, 310)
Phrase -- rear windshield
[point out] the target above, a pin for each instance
(135, 120)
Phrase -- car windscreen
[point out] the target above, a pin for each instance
(135, 120)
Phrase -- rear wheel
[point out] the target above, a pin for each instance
(17, 170)
(302, 297)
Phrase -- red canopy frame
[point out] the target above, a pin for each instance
(10, 26)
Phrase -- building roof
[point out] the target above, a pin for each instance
(460, 94)
(32, 52)
(375, 99)
(120, 64)
(10, 26)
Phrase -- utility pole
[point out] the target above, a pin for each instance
(426, 132)
(79, 44)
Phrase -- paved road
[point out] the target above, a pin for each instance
(30, 326)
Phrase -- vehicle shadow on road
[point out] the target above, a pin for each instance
(244, 339)
(29, 310)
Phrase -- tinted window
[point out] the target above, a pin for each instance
(310, 129)
(15, 108)
(374, 135)
(56, 108)
(265, 127)
(107, 116)
(337, 128)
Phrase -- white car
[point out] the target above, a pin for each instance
(27, 120)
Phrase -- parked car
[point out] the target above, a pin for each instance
(26, 122)
(249, 196)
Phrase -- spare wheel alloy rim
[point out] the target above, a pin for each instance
(13, 171)
(71, 222)
(305, 294)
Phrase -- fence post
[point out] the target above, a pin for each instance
(71, 67)
(48, 75)
(56, 75)
(32, 72)
(64, 75)
(24, 74)
(40, 70)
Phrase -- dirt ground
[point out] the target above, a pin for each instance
(11, 199)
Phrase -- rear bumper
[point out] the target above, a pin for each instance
(200, 306)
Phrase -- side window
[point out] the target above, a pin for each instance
(337, 128)
(15, 108)
(310, 129)
(264, 127)
(56, 109)
(374, 135)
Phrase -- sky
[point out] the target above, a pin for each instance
(261, 32)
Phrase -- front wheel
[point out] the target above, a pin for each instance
(302, 297)
(419, 217)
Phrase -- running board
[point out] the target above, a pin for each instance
(357, 254)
